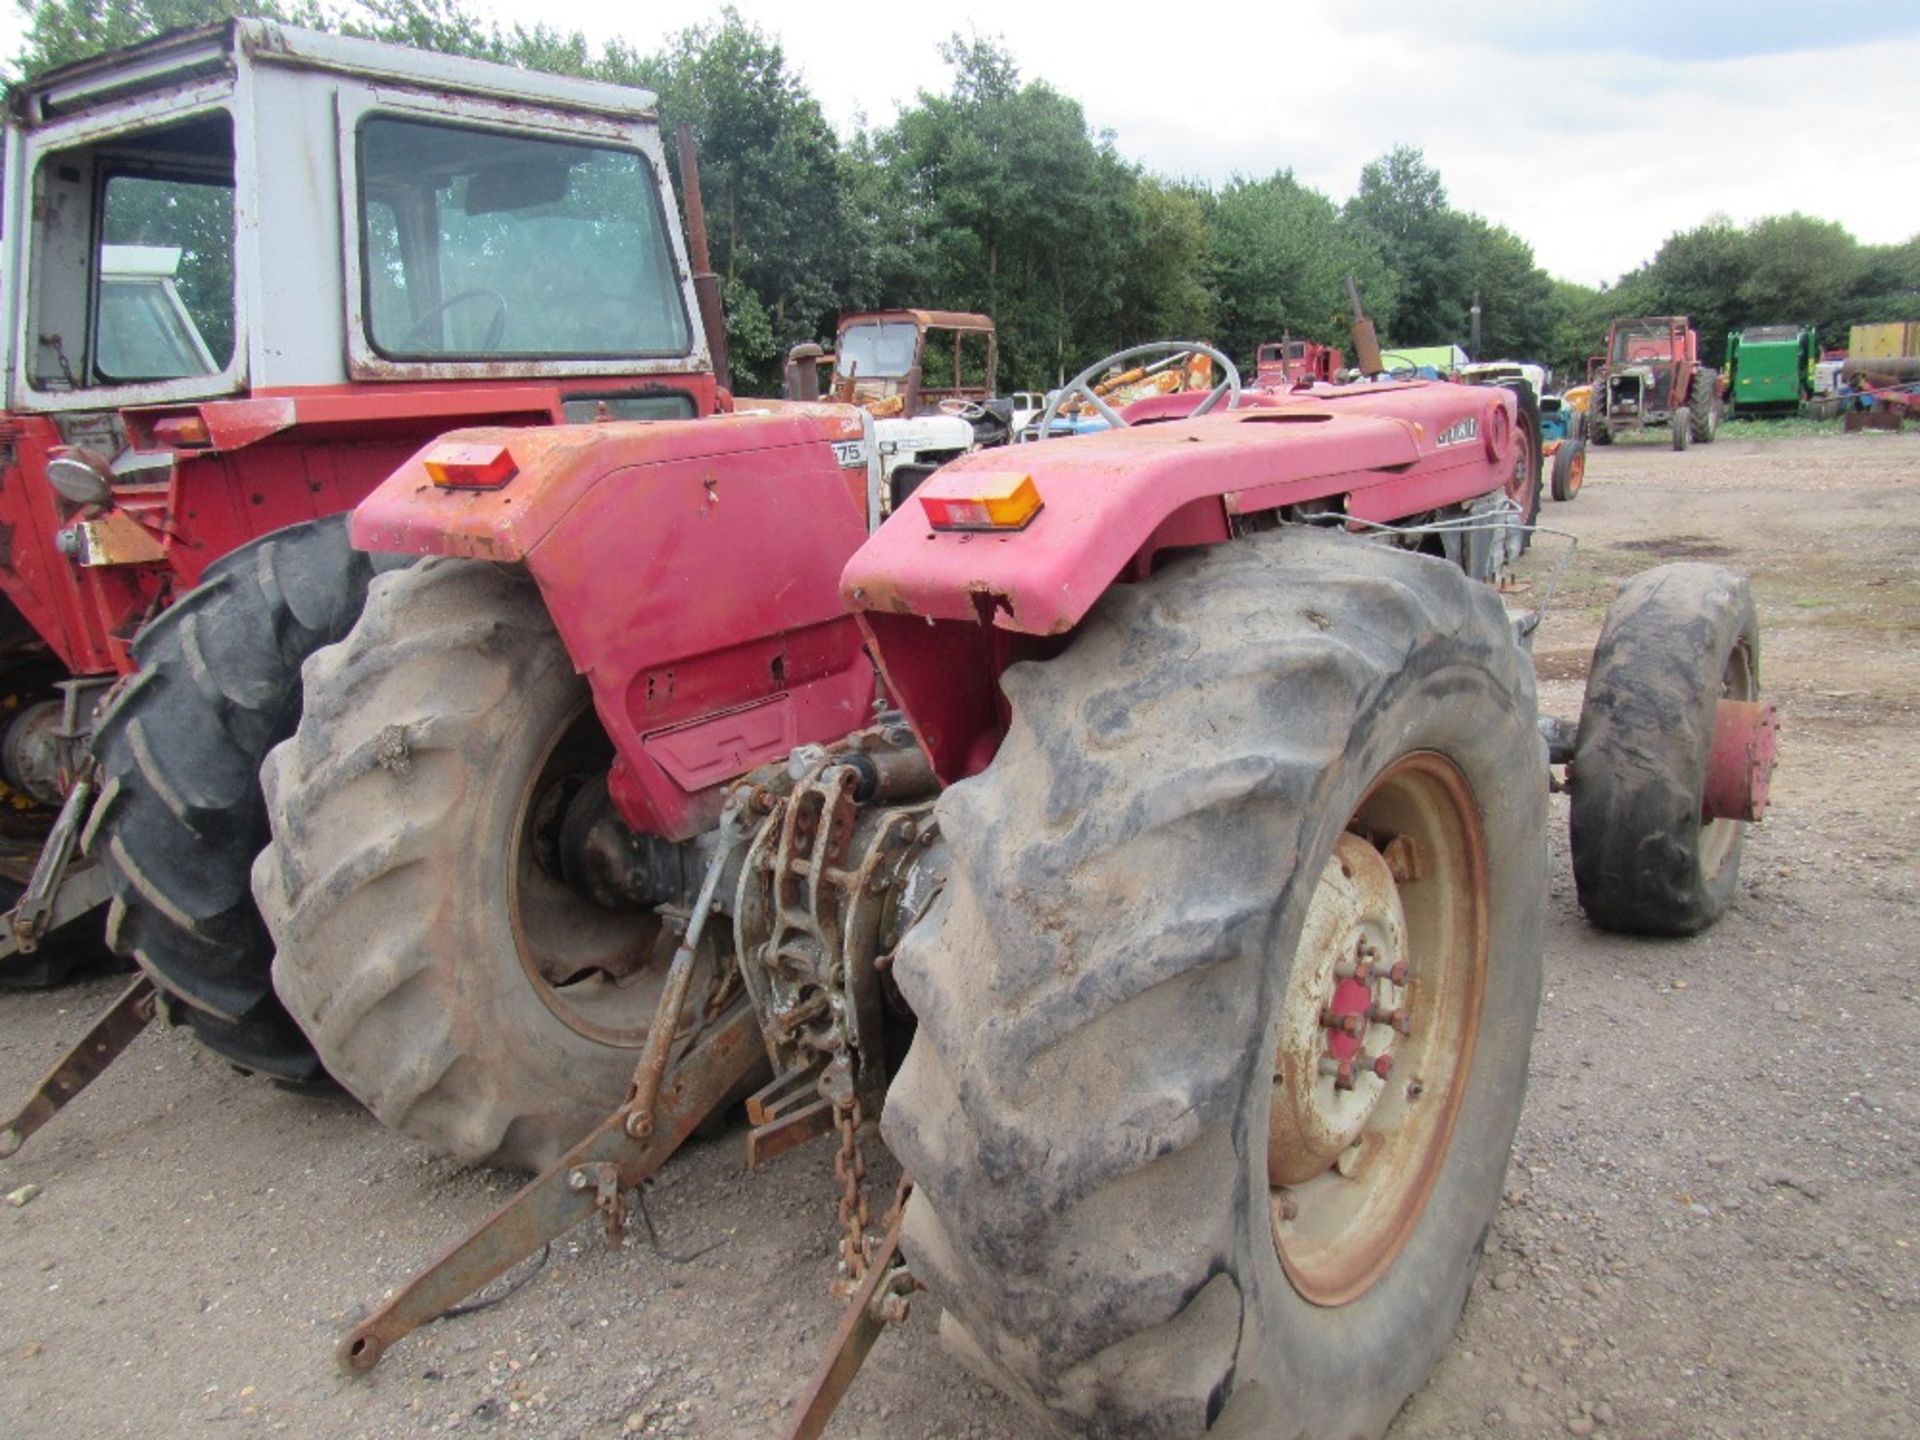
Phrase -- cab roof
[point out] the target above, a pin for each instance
(182, 56)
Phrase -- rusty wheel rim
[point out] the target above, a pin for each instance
(1377, 1030)
(1718, 837)
(1521, 484)
(594, 968)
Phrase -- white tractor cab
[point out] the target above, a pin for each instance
(926, 377)
(324, 210)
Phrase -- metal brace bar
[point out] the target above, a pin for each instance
(81, 1065)
(31, 917)
(860, 1325)
(84, 889)
(554, 1203)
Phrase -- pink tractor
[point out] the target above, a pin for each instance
(1147, 830)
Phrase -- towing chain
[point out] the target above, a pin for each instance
(850, 1169)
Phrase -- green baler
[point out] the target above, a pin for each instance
(1770, 368)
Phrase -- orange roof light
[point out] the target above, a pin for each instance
(455, 466)
(992, 502)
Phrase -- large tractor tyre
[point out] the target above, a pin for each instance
(445, 975)
(180, 815)
(1681, 422)
(1704, 403)
(1142, 1205)
(1676, 641)
(1569, 469)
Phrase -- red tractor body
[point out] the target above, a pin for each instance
(724, 644)
(696, 691)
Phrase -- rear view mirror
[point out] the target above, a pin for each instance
(516, 185)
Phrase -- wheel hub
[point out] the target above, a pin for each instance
(1342, 1015)
(1375, 1035)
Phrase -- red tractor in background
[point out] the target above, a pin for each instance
(1651, 376)
(1147, 829)
(1296, 362)
(251, 270)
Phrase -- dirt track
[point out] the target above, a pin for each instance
(1712, 1213)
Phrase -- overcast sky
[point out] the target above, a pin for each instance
(1591, 128)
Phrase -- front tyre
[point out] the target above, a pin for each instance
(1275, 817)
(1703, 401)
(1677, 640)
(1569, 468)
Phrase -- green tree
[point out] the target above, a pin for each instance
(1516, 295)
(1403, 203)
(1164, 290)
(780, 215)
(1282, 255)
(1006, 203)
(1798, 269)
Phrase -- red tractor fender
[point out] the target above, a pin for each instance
(1111, 502)
(690, 568)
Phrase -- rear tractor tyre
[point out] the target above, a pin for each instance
(1704, 402)
(445, 974)
(1682, 423)
(180, 815)
(1275, 809)
(1569, 468)
(1676, 641)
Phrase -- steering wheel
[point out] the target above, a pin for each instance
(1082, 384)
(419, 333)
(962, 408)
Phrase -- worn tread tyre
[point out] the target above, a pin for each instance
(1676, 639)
(1681, 423)
(1704, 404)
(1084, 1107)
(392, 884)
(1569, 469)
(180, 815)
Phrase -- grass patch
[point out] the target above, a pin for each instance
(1786, 427)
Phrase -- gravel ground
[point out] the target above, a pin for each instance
(1710, 1219)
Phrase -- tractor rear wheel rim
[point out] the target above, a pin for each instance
(1718, 837)
(1525, 475)
(589, 965)
(1377, 1030)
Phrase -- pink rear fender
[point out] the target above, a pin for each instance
(1110, 502)
(691, 570)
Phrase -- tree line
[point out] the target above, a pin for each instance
(995, 194)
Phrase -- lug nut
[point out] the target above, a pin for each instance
(1381, 1065)
(1340, 1070)
(1351, 1024)
(1391, 1015)
(1395, 973)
